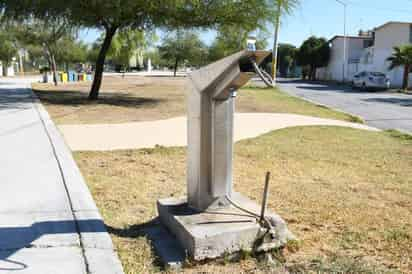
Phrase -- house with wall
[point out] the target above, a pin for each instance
(367, 51)
(355, 46)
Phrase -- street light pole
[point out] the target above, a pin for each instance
(344, 39)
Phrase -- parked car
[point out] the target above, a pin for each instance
(371, 80)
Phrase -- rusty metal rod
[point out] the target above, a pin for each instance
(265, 197)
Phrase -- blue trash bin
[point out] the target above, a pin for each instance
(72, 76)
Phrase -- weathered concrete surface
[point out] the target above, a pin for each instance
(215, 232)
(48, 220)
(102, 137)
(384, 110)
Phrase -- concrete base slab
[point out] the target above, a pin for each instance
(215, 232)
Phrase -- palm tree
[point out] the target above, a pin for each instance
(283, 7)
(402, 56)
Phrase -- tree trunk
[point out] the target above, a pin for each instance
(405, 84)
(175, 67)
(312, 73)
(54, 69)
(5, 68)
(98, 75)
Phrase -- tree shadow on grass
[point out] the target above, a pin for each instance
(77, 98)
(134, 231)
(162, 242)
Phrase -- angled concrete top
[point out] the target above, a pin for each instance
(211, 78)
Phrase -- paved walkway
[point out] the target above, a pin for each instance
(48, 220)
(172, 132)
(384, 110)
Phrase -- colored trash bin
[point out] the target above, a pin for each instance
(65, 77)
(72, 76)
(80, 77)
(89, 77)
(60, 77)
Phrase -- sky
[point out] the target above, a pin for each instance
(324, 18)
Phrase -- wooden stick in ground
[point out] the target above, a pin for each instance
(265, 196)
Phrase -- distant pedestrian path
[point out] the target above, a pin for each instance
(49, 222)
(172, 132)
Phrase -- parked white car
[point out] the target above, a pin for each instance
(371, 80)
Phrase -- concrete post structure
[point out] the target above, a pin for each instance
(205, 223)
(210, 127)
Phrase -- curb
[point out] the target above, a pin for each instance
(98, 251)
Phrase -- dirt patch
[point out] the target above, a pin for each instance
(138, 98)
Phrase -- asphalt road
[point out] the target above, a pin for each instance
(384, 110)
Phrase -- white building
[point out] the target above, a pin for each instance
(368, 51)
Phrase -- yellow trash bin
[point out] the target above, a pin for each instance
(65, 77)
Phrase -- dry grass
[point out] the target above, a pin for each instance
(136, 98)
(345, 193)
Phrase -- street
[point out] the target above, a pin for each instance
(384, 110)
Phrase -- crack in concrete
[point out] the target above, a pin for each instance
(43, 246)
(46, 212)
(36, 246)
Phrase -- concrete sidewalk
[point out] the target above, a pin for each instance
(48, 220)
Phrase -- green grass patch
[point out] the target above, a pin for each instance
(274, 100)
(400, 135)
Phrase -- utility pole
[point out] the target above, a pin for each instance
(344, 40)
(275, 43)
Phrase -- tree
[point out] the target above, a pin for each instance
(70, 51)
(47, 32)
(8, 50)
(283, 7)
(402, 56)
(286, 58)
(314, 53)
(182, 46)
(111, 16)
(129, 43)
(154, 55)
(231, 39)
